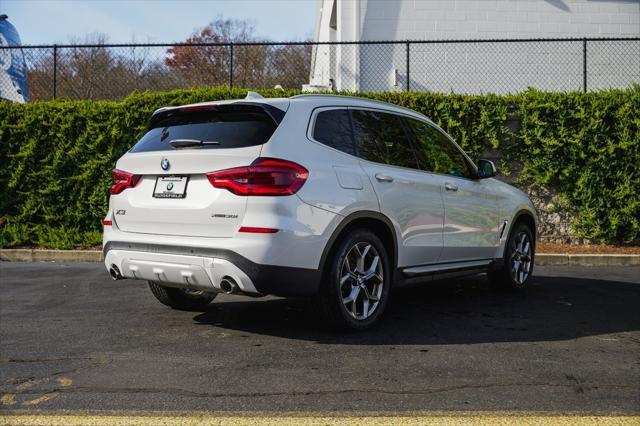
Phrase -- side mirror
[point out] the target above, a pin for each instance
(486, 169)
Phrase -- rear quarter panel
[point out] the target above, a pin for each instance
(336, 184)
(336, 181)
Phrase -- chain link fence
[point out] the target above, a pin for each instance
(460, 66)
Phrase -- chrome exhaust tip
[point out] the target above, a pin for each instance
(229, 285)
(115, 273)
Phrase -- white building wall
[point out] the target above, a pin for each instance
(485, 67)
(348, 56)
(447, 19)
(323, 63)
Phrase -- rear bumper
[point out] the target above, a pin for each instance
(204, 269)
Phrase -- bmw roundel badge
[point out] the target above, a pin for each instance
(165, 164)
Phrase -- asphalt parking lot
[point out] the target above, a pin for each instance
(72, 339)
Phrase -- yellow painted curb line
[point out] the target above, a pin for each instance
(204, 419)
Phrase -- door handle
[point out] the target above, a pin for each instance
(450, 187)
(383, 178)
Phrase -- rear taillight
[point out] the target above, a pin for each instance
(122, 180)
(265, 176)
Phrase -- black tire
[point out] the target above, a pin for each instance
(331, 299)
(505, 276)
(179, 298)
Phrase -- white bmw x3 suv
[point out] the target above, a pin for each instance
(315, 195)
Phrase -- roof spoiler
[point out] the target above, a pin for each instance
(276, 114)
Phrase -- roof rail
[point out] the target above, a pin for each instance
(369, 100)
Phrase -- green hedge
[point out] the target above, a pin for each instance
(56, 157)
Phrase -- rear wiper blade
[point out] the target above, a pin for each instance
(187, 143)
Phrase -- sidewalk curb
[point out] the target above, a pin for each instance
(542, 259)
(548, 259)
(37, 255)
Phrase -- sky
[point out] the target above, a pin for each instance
(153, 21)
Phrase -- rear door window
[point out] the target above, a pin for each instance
(221, 127)
(382, 138)
(333, 128)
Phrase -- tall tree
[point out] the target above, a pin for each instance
(90, 70)
(205, 58)
(201, 60)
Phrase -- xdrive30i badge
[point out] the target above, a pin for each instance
(165, 164)
(224, 216)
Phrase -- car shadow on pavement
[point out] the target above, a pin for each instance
(454, 312)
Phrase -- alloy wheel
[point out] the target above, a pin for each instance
(521, 258)
(361, 280)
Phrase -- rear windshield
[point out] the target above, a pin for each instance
(224, 126)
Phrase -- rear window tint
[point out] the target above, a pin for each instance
(333, 128)
(225, 126)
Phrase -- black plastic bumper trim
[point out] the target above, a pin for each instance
(268, 279)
